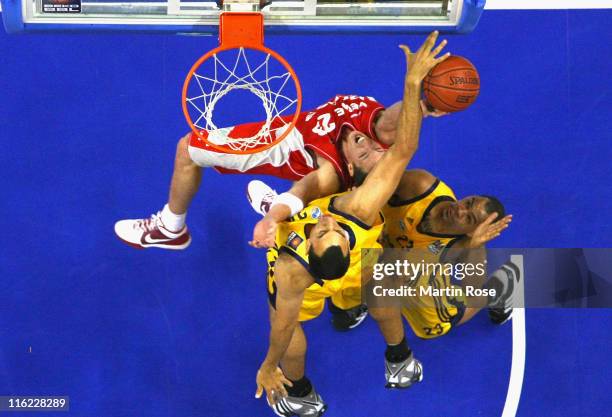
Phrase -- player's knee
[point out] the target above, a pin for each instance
(182, 148)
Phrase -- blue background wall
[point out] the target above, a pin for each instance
(88, 127)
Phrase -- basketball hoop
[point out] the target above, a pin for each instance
(231, 67)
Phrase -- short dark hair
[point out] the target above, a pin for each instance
(332, 264)
(493, 205)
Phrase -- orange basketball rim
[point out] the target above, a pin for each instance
(240, 31)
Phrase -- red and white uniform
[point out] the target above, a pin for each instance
(316, 131)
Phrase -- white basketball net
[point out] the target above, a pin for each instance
(241, 75)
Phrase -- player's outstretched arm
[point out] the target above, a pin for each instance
(486, 231)
(474, 253)
(386, 125)
(473, 245)
(319, 183)
(365, 201)
(291, 283)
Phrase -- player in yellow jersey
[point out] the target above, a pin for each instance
(424, 216)
(425, 210)
(316, 249)
(292, 238)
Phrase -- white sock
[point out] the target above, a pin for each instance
(171, 221)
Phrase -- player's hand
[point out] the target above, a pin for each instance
(264, 233)
(273, 381)
(422, 61)
(430, 111)
(487, 230)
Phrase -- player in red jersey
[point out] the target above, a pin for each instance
(330, 147)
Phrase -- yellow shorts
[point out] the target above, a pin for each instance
(345, 292)
(431, 316)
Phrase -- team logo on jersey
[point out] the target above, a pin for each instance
(436, 247)
(294, 240)
(315, 213)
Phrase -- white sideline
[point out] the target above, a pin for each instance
(519, 344)
(547, 4)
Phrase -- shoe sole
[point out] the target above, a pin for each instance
(319, 414)
(518, 263)
(161, 246)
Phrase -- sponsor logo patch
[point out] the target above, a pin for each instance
(294, 240)
(315, 213)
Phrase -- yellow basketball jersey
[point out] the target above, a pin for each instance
(291, 239)
(429, 316)
(403, 218)
(291, 236)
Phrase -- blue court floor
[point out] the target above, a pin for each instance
(88, 127)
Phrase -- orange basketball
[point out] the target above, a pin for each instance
(452, 85)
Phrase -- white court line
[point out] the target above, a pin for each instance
(519, 346)
(548, 4)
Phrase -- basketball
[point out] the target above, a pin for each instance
(452, 85)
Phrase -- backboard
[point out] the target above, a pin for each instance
(280, 16)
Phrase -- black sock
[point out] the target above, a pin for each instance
(300, 388)
(399, 352)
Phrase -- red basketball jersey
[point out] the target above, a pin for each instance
(317, 131)
(321, 128)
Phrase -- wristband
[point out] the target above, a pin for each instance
(290, 200)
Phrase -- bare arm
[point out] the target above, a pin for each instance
(470, 250)
(486, 231)
(291, 282)
(386, 125)
(366, 201)
(320, 183)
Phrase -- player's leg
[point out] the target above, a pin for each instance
(166, 229)
(469, 312)
(186, 179)
(345, 319)
(505, 283)
(346, 306)
(402, 369)
(302, 399)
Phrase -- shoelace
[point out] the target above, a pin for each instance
(269, 196)
(266, 201)
(149, 224)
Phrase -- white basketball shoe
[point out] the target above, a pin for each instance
(261, 196)
(151, 233)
